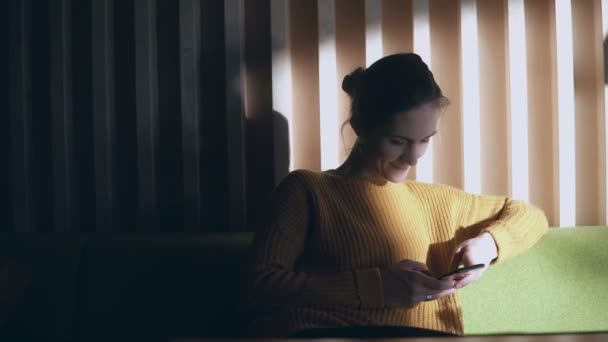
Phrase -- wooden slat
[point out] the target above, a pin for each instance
(61, 107)
(214, 132)
(397, 26)
(6, 208)
(305, 73)
(588, 90)
(540, 52)
(103, 112)
(350, 53)
(235, 111)
(169, 161)
(258, 106)
(146, 84)
(493, 56)
(190, 53)
(282, 96)
(445, 55)
(21, 116)
(126, 161)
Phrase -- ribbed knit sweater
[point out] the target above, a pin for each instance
(317, 258)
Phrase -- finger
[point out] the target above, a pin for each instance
(416, 266)
(468, 279)
(413, 265)
(426, 272)
(437, 295)
(431, 284)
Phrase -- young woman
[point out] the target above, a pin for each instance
(356, 251)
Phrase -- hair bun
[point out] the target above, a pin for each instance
(352, 81)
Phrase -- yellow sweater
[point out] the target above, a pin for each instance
(316, 261)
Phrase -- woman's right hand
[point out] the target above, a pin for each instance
(408, 282)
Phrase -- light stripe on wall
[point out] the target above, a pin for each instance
(422, 46)
(328, 86)
(565, 109)
(470, 96)
(519, 101)
(373, 31)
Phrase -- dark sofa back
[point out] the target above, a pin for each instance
(121, 287)
(42, 298)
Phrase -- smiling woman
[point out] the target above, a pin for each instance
(503, 64)
(395, 107)
(358, 249)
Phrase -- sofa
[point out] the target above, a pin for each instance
(154, 287)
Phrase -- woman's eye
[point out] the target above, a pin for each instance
(425, 140)
(397, 142)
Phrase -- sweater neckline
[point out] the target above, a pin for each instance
(385, 185)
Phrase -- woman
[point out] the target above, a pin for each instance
(356, 251)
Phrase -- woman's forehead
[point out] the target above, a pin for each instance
(416, 123)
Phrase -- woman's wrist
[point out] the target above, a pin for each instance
(492, 244)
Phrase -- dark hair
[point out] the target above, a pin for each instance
(392, 84)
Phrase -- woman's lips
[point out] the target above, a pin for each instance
(402, 168)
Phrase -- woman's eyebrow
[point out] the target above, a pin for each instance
(410, 139)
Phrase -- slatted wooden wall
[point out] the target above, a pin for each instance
(182, 115)
(129, 115)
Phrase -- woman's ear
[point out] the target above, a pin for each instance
(361, 144)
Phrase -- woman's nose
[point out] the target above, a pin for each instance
(409, 156)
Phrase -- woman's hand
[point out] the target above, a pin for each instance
(478, 250)
(408, 283)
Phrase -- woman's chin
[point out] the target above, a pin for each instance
(396, 176)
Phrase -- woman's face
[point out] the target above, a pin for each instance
(395, 148)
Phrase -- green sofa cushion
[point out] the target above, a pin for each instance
(558, 286)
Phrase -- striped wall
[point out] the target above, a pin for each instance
(525, 79)
(121, 116)
(162, 115)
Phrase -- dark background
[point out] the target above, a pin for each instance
(121, 116)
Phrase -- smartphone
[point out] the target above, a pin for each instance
(462, 271)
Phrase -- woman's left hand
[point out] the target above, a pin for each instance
(479, 250)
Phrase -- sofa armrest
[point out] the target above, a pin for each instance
(558, 286)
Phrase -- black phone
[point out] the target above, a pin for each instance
(461, 271)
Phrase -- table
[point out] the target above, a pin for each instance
(587, 337)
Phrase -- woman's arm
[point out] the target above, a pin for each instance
(272, 279)
(514, 225)
(495, 228)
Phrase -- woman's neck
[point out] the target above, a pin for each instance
(358, 165)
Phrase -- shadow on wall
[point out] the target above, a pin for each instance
(267, 151)
(266, 130)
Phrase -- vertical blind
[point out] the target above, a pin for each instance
(525, 79)
(161, 115)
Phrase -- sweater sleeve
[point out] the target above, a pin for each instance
(273, 280)
(515, 225)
